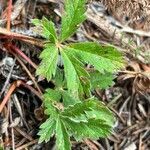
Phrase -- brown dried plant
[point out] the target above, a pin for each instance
(135, 13)
(140, 73)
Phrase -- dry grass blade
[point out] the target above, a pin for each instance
(28, 39)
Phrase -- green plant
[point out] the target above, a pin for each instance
(71, 109)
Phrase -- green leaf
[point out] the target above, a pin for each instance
(47, 67)
(92, 129)
(51, 98)
(100, 111)
(90, 108)
(71, 75)
(78, 79)
(78, 109)
(36, 22)
(62, 137)
(49, 30)
(102, 81)
(45, 28)
(68, 115)
(88, 119)
(103, 58)
(73, 16)
(52, 95)
(83, 76)
(68, 100)
(59, 79)
(47, 130)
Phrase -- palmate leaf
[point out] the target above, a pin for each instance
(48, 65)
(101, 81)
(103, 58)
(74, 15)
(88, 119)
(69, 116)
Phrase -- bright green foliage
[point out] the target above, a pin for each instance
(93, 128)
(62, 136)
(58, 80)
(77, 77)
(74, 15)
(101, 81)
(77, 120)
(70, 107)
(49, 58)
(103, 58)
(47, 130)
(46, 28)
(71, 75)
(74, 56)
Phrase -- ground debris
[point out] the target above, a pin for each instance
(129, 98)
